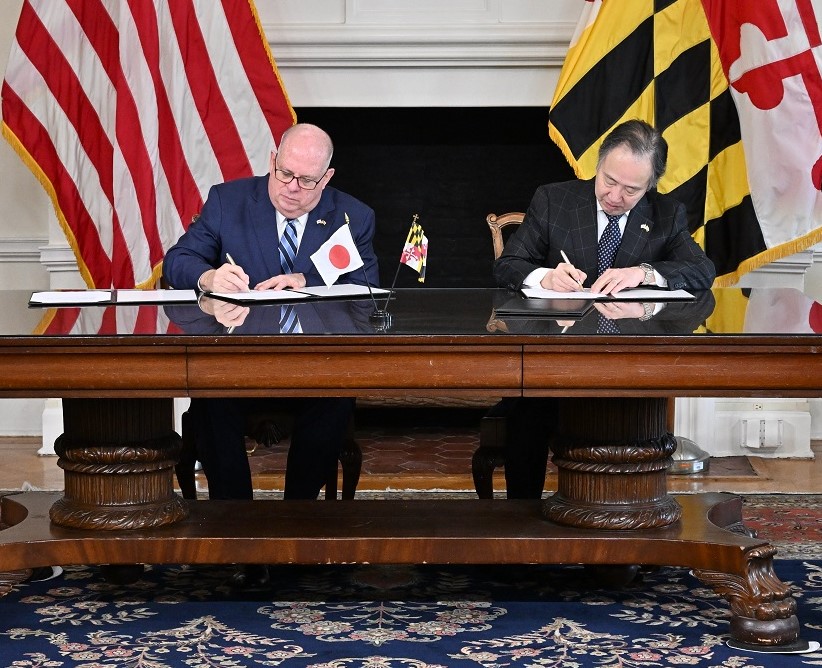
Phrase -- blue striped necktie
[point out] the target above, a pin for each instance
(289, 322)
(288, 247)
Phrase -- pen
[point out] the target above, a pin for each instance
(564, 257)
(231, 260)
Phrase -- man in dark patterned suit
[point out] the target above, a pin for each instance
(563, 243)
(571, 216)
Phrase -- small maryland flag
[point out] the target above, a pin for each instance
(415, 251)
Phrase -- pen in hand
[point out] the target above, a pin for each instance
(231, 261)
(567, 261)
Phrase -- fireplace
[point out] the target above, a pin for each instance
(452, 167)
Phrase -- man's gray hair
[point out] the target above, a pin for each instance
(643, 140)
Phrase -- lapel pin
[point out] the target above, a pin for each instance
(320, 221)
(645, 227)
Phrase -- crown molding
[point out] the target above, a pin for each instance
(414, 46)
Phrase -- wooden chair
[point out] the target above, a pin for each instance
(267, 430)
(490, 454)
(497, 224)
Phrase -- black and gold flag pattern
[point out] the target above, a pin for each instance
(655, 60)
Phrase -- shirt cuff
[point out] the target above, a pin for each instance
(534, 279)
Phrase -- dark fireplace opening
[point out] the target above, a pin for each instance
(450, 166)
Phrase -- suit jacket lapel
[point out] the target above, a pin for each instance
(635, 237)
(263, 219)
(319, 226)
(583, 227)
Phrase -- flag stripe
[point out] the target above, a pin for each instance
(258, 63)
(684, 85)
(600, 97)
(93, 259)
(210, 102)
(128, 112)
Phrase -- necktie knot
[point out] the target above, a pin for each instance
(613, 219)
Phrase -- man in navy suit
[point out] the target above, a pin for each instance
(242, 222)
(557, 247)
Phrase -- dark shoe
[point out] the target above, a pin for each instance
(250, 577)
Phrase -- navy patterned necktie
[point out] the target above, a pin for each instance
(606, 251)
(606, 325)
(608, 244)
(288, 247)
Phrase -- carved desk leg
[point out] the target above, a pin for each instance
(764, 611)
(612, 455)
(118, 458)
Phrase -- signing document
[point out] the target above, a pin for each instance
(631, 295)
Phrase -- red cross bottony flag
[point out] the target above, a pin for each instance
(337, 256)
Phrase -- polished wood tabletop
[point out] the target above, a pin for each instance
(726, 342)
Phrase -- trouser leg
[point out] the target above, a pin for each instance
(319, 428)
(220, 429)
(529, 425)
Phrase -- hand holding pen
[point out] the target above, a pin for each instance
(572, 272)
(230, 277)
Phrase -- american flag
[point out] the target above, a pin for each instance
(143, 319)
(128, 111)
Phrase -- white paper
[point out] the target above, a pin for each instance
(632, 294)
(58, 297)
(542, 293)
(155, 296)
(342, 290)
(259, 295)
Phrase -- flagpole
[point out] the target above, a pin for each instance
(393, 283)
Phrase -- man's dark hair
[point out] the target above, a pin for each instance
(643, 140)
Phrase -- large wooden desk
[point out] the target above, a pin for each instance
(611, 508)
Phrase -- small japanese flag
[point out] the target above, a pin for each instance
(337, 256)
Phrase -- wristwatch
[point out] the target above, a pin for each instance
(649, 311)
(650, 278)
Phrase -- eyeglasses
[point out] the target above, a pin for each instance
(305, 182)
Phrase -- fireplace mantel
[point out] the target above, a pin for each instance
(362, 53)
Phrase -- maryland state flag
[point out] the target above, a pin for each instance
(669, 62)
(415, 251)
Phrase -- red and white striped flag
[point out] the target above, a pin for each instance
(128, 111)
(144, 319)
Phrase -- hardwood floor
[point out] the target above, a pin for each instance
(23, 468)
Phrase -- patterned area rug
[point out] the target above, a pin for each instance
(386, 617)
(790, 522)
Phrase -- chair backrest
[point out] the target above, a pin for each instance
(496, 223)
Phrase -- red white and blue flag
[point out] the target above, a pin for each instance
(128, 111)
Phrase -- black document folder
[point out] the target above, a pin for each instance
(560, 309)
